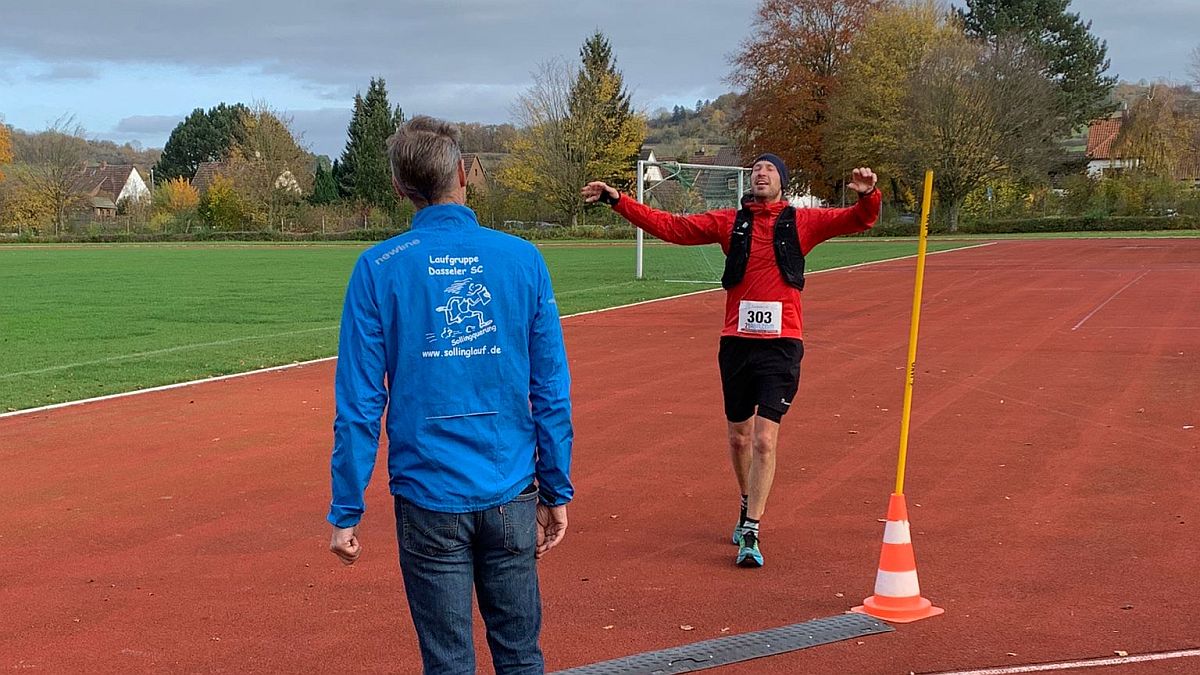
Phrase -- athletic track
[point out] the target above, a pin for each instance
(1053, 488)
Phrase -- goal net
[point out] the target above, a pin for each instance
(685, 188)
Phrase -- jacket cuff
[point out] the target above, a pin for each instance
(343, 519)
(548, 498)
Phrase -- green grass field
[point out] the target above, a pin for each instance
(89, 320)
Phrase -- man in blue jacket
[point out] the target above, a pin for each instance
(454, 329)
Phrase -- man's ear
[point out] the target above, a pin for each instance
(462, 174)
(396, 189)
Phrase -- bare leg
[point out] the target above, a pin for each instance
(762, 466)
(741, 443)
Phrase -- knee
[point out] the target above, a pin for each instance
(764, 444)
(740, 442)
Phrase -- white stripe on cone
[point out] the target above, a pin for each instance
(897, 584)
(896, 532)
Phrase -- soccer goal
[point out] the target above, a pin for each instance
(688, 188)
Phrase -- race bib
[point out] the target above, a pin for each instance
(760, 318)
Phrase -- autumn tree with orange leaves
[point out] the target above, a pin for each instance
(6, 154)
(176, 196)
(789, 67)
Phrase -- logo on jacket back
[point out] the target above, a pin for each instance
(463, 319)
(464, 307)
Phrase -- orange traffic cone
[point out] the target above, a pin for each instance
(897, 594)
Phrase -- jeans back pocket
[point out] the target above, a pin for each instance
(429, 532)
(520, 523)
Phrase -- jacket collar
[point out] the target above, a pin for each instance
(444, 215)
(770, 208)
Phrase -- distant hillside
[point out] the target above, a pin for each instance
(486, 138)
(682, 131)
(106, 152)
(677, 132)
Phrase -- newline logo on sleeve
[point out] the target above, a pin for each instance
(406, 245)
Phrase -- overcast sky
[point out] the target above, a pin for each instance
(129, 70)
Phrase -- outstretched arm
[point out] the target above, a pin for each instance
(828, 223)
(702, 228)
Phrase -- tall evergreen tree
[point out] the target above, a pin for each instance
(343, 170)
(363, 173)
(325, 188)
(203, 136)
(577, 126)
(1075, 60)
(601, 109)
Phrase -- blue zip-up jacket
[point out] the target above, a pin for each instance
(462, 322)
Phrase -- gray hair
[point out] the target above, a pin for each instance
(425, 155)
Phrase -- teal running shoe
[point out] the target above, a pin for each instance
(749, 554)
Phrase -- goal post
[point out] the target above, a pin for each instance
(686, 188)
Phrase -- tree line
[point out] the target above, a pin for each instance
(987, 95)
(984, 95)
(254, 171)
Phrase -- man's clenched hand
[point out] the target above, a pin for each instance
(344, 544)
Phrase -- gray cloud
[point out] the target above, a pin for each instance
(322, 131)
(461, 60)
(336, 46)
(67, 71)
(148, 124)
(1146, 40)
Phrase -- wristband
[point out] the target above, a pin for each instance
(608, 198)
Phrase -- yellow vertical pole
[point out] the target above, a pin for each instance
(912, 333)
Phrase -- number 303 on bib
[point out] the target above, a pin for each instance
(760, 318)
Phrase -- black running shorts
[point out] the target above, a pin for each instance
(759, 375)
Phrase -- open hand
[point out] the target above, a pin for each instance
(862, 180)
(592, 191)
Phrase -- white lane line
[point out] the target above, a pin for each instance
(1071, 665)
(158, 352)
(178, 385)
(165, 387)
(1110, 299)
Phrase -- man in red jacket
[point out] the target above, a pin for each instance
(762, 343)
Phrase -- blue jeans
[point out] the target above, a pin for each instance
(443, 556)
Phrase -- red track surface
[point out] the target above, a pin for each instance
(1052, 486)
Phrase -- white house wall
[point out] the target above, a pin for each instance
(1097, 167)
(654, 173)
(135, 188)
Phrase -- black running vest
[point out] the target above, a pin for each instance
(788, 255)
